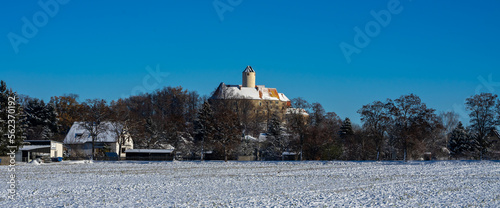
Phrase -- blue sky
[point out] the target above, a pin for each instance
(443, 51)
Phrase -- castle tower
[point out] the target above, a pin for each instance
(249, 77)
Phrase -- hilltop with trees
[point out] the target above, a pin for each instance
(401, 129)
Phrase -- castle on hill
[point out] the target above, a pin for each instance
(263, 100)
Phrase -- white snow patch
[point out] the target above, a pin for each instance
(35, 162)
(256, 184)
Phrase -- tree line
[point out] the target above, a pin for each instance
(200, 128)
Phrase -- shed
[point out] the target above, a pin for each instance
(289, 156)
(39, 148)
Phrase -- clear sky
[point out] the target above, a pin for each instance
(443, 51)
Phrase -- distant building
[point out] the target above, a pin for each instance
(263, 100)
(255, 103)
(33, 149)
(79, 142)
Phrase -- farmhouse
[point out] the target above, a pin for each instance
(79, 141)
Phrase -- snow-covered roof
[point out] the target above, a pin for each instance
(79, 135)
(249, 137)
(166, 146)
(262, 137)
(260, 92)
(149, 151)
(283, 97)
(33, 147)
(248, 69)
(296, 111)
(38, 141)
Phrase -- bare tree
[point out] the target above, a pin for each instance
(140, 109)
(68, 111)
(95, 112)
(412, 124)
(321, 133)
(297, 121)
(317, 115)
(120, 121)
(330, 128)
(193, 104)
(449, 120)
(482, 118)
(227, 130)
(375, 118)
(246, 115)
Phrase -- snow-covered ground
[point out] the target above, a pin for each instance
(255, 184)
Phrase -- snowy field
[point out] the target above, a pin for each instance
(256, 184)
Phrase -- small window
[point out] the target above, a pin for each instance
(260, 103)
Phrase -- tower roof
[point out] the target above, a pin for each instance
(248, 69)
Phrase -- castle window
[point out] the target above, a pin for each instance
(260, 103)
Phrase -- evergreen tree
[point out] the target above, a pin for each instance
(12, 120)
(346, 128)
(204, 126)
(276, 141)
(41, 119)
(347, 139)
(274, 128)
(460, 142)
